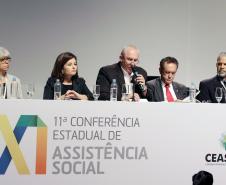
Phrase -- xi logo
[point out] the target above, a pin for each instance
(12, 139)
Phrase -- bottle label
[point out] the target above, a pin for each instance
(113, 94)
(57, 95)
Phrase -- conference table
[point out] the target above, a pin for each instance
(115, 143)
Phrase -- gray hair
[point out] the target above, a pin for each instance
(4, 52)
(221, 54)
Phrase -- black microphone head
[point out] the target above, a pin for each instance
(135, 71)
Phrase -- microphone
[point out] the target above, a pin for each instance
(140, 85)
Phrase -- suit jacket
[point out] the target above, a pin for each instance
(78, 85)
(207, 89)
(10, 78)
(108, 73)
(155, 90)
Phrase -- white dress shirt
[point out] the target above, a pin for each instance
(127, 76)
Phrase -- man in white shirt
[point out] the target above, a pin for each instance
(164, 88)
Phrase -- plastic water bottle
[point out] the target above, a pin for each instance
(113, 90)
(13, 88)
(57, 90)
(192, 93)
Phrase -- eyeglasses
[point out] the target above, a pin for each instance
(5, 59)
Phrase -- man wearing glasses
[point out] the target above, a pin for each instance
(10, 86)
(125, 71)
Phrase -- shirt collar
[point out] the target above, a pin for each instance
(163, 84)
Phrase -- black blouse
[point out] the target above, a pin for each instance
(78, 85)
(65, 88)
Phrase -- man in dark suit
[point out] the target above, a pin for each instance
(164, 88)
(207, 87)
(123, 72)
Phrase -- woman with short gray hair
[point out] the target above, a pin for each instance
(10, 86)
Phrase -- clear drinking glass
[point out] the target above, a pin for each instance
(127, 92)
(30, 90)
(13, 89)
(218, 94)
(96, 92)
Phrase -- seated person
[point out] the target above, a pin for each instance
(6, 79)
(202, 178)
(66, 70)
(123, 72)
(207, 87)
(164, 88)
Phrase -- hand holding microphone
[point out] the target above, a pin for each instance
(139, 79)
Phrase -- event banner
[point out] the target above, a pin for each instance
(102, 142)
